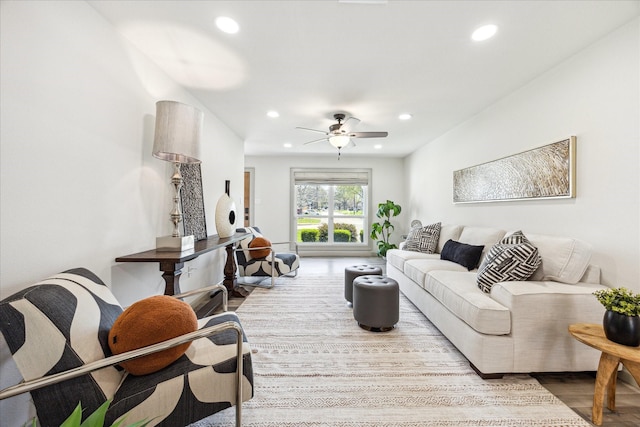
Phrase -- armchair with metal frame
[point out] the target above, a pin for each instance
(273, 265)
(56, 331)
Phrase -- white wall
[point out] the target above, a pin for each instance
(79, 186)
(272, 209)
(594, 95)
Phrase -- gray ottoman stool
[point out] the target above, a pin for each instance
(376, 302)
(350, 273)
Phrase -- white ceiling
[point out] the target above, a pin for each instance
(371, 59)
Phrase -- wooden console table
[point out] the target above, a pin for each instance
(172, 262)
(612, 355)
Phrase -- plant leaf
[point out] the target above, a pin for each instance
(96, 419)
(75, 418)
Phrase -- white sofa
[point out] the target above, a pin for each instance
(519, 327)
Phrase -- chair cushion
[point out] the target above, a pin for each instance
(202, 378)
(260, 242)
(70, 315)
(150, 321)
(285, 263)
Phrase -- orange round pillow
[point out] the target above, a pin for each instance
(259, 242)
(150, 321)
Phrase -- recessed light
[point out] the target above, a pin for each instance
(404, 116)
(377, 146)
(485, 32)
(287, 145)
(273, 114)
(227, 25)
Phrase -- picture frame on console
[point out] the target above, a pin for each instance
(546, 172)
(192, 202)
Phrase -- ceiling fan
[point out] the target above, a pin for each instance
(340, 133)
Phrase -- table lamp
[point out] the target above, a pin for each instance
(177, 140)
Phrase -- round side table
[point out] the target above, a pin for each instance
(612, 355)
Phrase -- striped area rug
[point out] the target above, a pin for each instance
(314, 366)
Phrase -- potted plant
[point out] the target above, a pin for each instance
(621, 321)
(383, 229)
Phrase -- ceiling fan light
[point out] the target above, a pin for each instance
(339, 141)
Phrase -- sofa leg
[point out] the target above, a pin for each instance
(485, 376)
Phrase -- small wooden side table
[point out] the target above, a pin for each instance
(612, 355)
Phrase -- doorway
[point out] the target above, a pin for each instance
(248, 196)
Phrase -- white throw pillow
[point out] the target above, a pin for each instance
(563, 259)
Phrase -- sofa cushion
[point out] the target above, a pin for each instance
(563, 259)
(459, 293)
(448, 232)
(397, 257)
(481, 236)
(513, 259)
(591, 275)
(423, 239)
(461, 253)
(417, 269)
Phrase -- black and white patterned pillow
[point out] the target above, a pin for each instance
(423, 239)
(514, 258)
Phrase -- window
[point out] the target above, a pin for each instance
(331, 207)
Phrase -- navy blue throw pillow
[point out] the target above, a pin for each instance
(461, 253)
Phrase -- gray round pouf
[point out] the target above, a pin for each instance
(376, 302)
(351, 273)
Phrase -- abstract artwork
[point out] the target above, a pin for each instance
(546, 172)
(192, 202)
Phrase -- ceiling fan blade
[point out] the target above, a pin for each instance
(349, 124)
(313, 130)
(351, 143)
(368, 134)
(315, 140)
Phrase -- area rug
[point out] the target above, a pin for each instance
(314, 366)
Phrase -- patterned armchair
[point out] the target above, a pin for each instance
(274, 264)
(57, 332)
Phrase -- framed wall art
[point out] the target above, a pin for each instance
(192, 201)
(547, 172)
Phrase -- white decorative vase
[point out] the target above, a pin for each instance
(226, 214)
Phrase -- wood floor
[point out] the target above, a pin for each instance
(574, 389)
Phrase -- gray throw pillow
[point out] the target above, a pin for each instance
(423, 239)
(514, 258)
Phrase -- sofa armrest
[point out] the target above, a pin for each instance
(541, 313)
(530, 298)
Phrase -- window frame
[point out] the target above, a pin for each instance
(334, 177)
